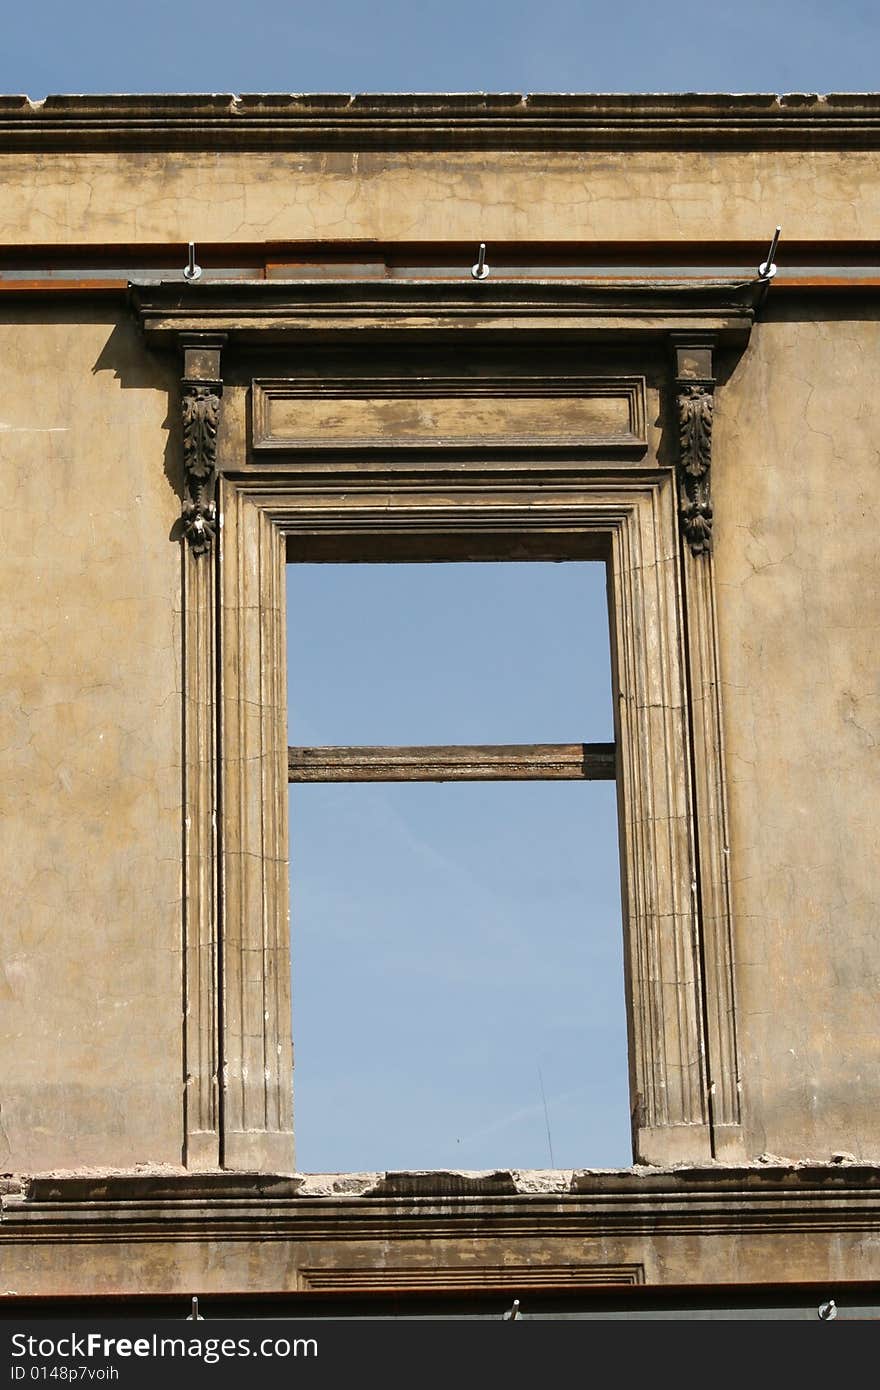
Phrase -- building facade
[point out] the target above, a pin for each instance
(335, 377)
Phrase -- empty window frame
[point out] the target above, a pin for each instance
(457, 949)
(684, 1080)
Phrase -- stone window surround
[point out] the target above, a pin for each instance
(671, 789)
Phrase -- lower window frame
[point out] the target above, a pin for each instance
(678, 947)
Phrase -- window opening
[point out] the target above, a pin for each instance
(458, 981)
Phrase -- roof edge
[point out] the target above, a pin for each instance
(435, 121)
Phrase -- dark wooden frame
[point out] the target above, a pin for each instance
(520, 762)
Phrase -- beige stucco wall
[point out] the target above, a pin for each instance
(90, 985)
(90, 707)
(68, 198)
(796, 474)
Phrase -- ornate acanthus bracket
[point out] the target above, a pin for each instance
(200, 402)
(694, 463)
(200, 392)
(695, 385)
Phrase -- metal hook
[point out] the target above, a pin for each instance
(195, 1315)
(512, 1312)
(480, 271)
(827, 1312)
(767, 269)
(191, 271)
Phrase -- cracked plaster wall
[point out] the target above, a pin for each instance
(245, 196)
(89, 706)
(90, 980)
(797, 510)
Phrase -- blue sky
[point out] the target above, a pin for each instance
(440, 45)
(457, 950)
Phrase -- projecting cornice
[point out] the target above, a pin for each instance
(471, 121)
(644, 1202)
(273, 310)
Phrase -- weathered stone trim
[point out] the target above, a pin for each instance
(713, 856)
(201, 388)
(712, 1200)
(467, 121)
(200, 408)
(618, 313)
(695, 384)
(200, 897)
(255, 960)
(636, 522)
(695, 406)
(518, 1277)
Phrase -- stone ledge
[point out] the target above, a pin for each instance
(468, 120)
(154, 1231)
(157, 1193)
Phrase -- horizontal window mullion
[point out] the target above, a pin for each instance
(454, 763)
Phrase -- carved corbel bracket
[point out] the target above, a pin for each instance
(695, 386)
(200, 391)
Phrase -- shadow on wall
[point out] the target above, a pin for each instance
(137, 367)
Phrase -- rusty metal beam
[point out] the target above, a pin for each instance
(515, 762)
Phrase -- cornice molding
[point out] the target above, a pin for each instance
(476, 121)
(701, 1201)
(254, 310)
